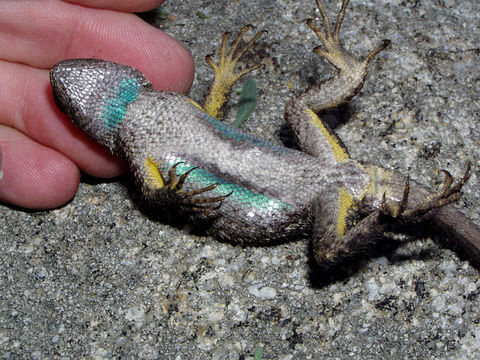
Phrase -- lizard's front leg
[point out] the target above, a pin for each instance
(169, 191)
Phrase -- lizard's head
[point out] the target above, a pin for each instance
(95, 94)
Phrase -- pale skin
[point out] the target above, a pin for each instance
(42, 152)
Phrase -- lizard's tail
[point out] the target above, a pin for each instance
(462, 233)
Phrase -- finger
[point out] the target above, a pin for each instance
(34, 176)
(63, 30)
(124, 5)
(26, 104)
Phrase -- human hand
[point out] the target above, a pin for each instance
(42, 151)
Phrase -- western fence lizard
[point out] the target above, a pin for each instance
(247, 190)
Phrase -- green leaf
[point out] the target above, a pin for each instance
(247, 102)
(201, 15)
(258, 353)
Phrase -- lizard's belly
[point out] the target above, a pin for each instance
(247, 219)
(246, 215)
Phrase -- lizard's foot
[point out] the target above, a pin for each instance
(224, 72)
(188, 200)
(333, 50)
(448, 194)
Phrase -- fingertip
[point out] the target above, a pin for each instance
(128, 40)
(183, 70)
(124, 5)
(36, 177)
(165, 61)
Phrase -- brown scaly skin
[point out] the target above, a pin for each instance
(246, 190)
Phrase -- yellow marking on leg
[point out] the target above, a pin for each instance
(197, 105)
(217, 95)
(380, 182)
(155, 178)
(344, 206)
(224, 72)
(338, 150)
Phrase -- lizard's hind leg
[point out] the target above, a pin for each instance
(339, 231)
(333, 50)
(224, 72)
(313, 134)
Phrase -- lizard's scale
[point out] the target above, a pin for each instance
(238, 193)
(116, 107)
(245, 189)
(233, 133)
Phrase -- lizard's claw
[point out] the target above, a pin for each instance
(225, 69)
(448, 194)
(333, 50)
(188, 200)
(224, 72)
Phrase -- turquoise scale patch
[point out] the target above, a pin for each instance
(203, 178)
(234, 133)
(116, 107)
